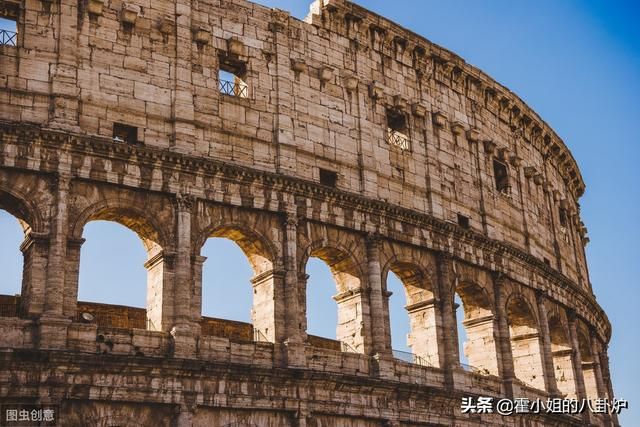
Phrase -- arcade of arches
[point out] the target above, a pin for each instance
(513, 332)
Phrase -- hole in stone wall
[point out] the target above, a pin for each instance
(10, 255)
(398, 318)
(226, 281)
(125, 133)
(462, 332)
(463, 221)
(232, 78)
(396, 120)
(322, 310)
(563, 217)
(501, 176)
(328, 178)
(8, 28)
(397, 131)
(112, 266)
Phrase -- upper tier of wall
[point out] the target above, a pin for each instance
(318, 96)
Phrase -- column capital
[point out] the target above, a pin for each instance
(33, 238)
(373, 239)
(291, 220)
(541, 294)
(498, 278)
(185, 202)
(59, 182)
(75, 243)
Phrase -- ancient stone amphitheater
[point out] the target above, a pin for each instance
(343, 137)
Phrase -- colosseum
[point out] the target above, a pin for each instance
(343, 137)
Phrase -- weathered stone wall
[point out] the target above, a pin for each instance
(209, 164)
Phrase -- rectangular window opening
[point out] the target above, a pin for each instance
(328, 178)
(501, 176)
(463, 221)
(563, 218)
(125, 133)
(397, 132)
(232, 78)
(8, 29)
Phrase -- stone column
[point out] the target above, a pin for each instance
(595, 350)
(504, 354)
(379, 306)
(57, 248)
(380, 341)
(183, 416)
(34, 249)
(606, 377)
(72, 272)
(449, 338)
(597, 367)
(52, 325)
(577, 361)
(183, 326)
(426, 322)
(197, 262)
(545, 345)
(160, 305)
(295, 334)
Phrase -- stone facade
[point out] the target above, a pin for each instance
(343, 137)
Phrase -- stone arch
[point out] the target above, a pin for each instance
(346, 271)
(260, 251)
(23, 208)
(34, 249)
(421, 307)
(156, 239)
(524, 334)
(127, 213)
(478, 323)
(263, 258)
(348, 277)
(562, 354)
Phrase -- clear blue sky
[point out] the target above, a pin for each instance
(577, 63)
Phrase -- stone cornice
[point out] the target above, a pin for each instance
(189, 164)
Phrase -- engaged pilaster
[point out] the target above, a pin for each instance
(545, 345)
(577, 361)
(52, 325)
(294, 326)
(183, 332)
(504, 354)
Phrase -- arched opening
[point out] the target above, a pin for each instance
(479, 349)
(11, 264)
(412, 315)
(114, 266)
(588, 364)
(226, 281)
(562, 357)
(462, 331)
(10, 257)
(109, 248)
(322, 312)
(23, 277)
(525, 343)
(348, 310)
(237, 286)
